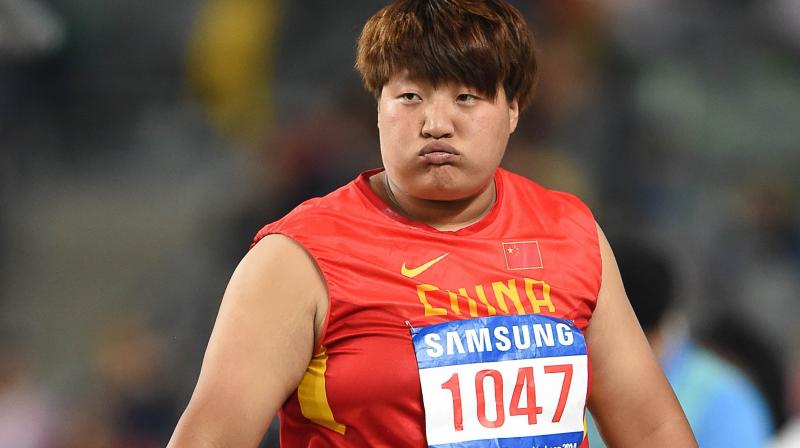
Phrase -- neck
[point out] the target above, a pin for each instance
(441, 215)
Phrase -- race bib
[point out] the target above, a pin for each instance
(503, 381)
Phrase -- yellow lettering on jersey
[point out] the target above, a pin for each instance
(482, 298)
(312, 396)
(508, 289)
(429, 309)
(454, 302)
(536, 291)
(473, 307)
(535, 301)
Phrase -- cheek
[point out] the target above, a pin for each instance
(490, 131)
(387, 130)
(392, 136)
(491, 138)
(395, 127)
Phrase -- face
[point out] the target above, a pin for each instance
(443, 142)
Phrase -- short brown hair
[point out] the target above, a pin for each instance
(477, 43)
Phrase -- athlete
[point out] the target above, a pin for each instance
(438, 301)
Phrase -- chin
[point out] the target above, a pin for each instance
(442, 195)
(448, 191)
(443, 183)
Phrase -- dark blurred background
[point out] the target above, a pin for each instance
(143, 144)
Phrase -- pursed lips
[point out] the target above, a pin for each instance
(438, 153)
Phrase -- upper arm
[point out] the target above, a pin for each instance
(259, 349)
(631, 399)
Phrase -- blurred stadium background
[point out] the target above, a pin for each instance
(142, 145)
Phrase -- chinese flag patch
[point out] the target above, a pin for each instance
(522, 255)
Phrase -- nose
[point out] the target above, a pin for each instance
(438, 121)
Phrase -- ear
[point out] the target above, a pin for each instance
(378, 109)
(513, 115)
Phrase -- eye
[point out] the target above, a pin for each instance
(409, 96)
(466, 98)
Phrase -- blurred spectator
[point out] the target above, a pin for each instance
(752, 283)
(722, 406)
(230, 65)
(306, 158)
(753, 265)
(88, 425)
(27, 413)
(737, 341)
(129, 362)
(132, 404)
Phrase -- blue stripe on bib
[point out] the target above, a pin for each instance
(567, 440)
(496, 338)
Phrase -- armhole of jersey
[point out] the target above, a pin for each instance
(318, 344)
(586, 222)
(598, 254)
(598, 257)
(593, 229)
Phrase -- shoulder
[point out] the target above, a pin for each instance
(276, 258)
(318, 215)
(558, 213)
(553, 202)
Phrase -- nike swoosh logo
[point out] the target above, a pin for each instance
(411, 273)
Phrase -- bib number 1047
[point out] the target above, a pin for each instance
(524, 386)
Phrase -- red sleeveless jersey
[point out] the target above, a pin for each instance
(535, 253)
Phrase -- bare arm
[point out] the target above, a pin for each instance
(631, 400)
(260, 347)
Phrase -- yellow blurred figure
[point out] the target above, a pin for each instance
(230, 65)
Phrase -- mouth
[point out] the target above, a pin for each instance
(437, 146)
(439, 153)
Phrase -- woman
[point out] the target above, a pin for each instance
(440, 301)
